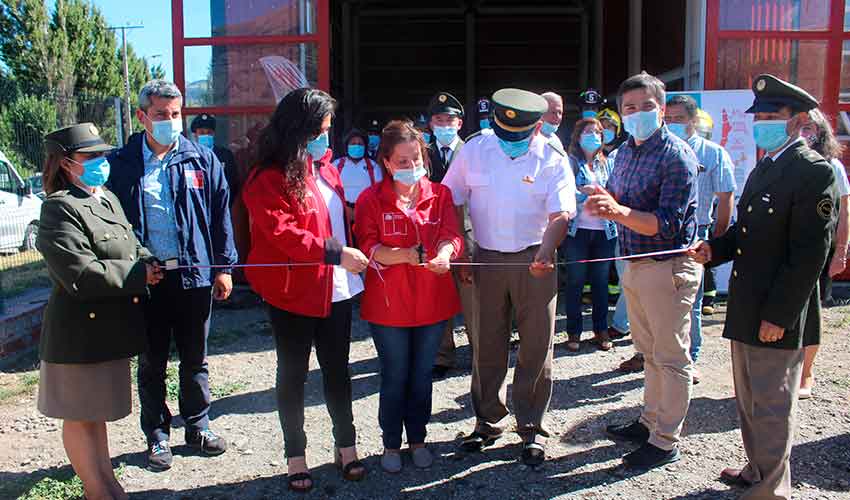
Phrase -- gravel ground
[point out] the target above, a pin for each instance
(581, 462)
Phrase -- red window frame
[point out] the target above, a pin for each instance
(834, 36)
(179, 42)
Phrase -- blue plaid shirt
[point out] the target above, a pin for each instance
(658, 177)
(158, 203)
(716, 175)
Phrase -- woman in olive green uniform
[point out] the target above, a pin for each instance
(94, 319)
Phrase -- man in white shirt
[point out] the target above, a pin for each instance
(519, 191)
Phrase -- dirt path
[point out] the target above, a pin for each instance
(582, 463)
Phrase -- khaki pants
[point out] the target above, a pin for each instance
(469, 303)
(767, 381)
(501, 290)
(660, 295)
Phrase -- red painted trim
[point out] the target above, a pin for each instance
(832, 85)
(775, 35)
(177, 62)
(229, 110)
(712, 14)
(323, 27)
(249, 40)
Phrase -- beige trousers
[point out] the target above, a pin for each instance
(502, 290)
(660, 296)
(767, 381)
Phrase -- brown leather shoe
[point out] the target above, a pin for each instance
(632, 365)
(732, 476)
(613, 333)
(603, 341)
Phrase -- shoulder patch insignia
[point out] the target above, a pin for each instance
(824, 208)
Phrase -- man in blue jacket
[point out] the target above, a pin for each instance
(175, 195)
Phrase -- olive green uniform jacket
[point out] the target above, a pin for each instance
(778, 247)
(97, 266)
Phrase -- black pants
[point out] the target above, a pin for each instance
(183, 315)
(294, 336)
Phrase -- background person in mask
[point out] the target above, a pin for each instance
(203, 127)
(588, 237)
(612, 133)
(356, 170)
(373, 139)
(652, 198)
(513, 163)
(446, 118)
(818, 133)
(408, 225)
(778, 247)
(552, 118)
(295, 202)
(175, 194)
(94, 322)
(484, 109)
(715, 182)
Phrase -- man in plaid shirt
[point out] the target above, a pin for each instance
(653, 199)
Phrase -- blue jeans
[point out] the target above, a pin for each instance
(620, 322)
(696, 312)
(407, 358)
(588, 244)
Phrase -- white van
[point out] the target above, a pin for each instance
(20, 210)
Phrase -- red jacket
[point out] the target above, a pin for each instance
(284, 230)
(404, 295)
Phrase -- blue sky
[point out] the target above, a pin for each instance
(152, 40)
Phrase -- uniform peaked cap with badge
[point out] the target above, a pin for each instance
(203, 121)
(516, 113)
(772, 94)
(445, 103)
(80, 138)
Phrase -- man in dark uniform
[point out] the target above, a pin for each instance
(445, 115)
(203, 126)
(778, 248)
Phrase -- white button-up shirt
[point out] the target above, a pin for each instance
(355, 176)
(510, 200)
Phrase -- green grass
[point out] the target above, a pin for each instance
(20, 274)
(21, 384)
(56, 485)
(172, 382)
(227, 388)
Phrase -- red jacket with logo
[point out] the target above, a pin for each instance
(404, 295)
(288, 231)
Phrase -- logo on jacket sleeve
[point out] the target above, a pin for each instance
(195, 179)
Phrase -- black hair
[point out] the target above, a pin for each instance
(283, 142)
(642, 80)
(685, 101)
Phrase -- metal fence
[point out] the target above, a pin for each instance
(24, 120)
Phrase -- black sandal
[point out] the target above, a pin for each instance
(533, 454)
(353, 476)
(476, 441)
(291, 479)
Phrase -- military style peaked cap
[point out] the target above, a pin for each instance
(771, 94)
(444, 102)
(516, 113)
(80, 138)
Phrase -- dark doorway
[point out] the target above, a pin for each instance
(389, 58)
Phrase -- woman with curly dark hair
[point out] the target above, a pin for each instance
(818, 133)
(295, 203)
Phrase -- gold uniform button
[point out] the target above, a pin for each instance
(744, 229)
(126, 237)
(106, 236)
(770, 210)
(735, 273)
(749, 208)
(739, 251)
(135, 300)
(92, 315)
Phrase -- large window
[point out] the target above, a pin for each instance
(804, 41)
(236, 59)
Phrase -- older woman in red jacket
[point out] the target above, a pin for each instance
(408, 227)
(295, 202)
